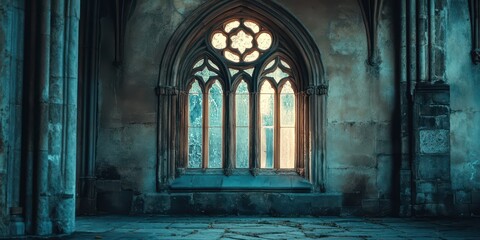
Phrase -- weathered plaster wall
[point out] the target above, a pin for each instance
(464, 79)
(360, 101)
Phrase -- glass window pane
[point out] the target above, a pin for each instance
(215, 147)
(219, 41)
(287, 127)
(287, 147)
(215, 114)
(252, 56)
(242, 122)
(253, 26)
(241, 41)
(195, 126)
(231, 25)
(242, 147)
(278, 74)
(267, 99)
(264, 41)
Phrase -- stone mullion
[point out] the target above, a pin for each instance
(306, 135)
(205, 129)
(255, 132)
(276, 129)
(228, 133)
(299, 130)
(163, 128)
(173, 132)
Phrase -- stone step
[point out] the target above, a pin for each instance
(239, 203)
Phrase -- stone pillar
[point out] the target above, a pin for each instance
(11, 70)
(432, 195)
(425, 110)
(50, 147)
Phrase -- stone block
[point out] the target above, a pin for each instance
(434, 141)
(435, 167)
(426, 187)
(384, 175)
(435, 110)
(420, 198)
(462, 197)
(462, 210)
(476, 198)
(108, 185)
(371, 206)
(441, 98)
(182, 204)
(115, 202)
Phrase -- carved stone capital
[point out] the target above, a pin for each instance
(476, 56)
(371, 10)
(321, 89)
(166, 90)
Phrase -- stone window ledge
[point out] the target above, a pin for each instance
(220, 182)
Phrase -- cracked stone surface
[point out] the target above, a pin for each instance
(161, 227)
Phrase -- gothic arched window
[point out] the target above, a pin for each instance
(255, 68)
(241, 92)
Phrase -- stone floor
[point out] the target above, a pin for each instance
(159, 227)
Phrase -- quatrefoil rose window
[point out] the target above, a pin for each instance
(241, 40)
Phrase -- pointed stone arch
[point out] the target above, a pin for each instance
(295, 42)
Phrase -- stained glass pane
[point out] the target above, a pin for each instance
(241, 41)
(205, 74)
(231, 56)
(242, 122)
(233, 71)
(199, 63)
(287, 147)
(270, 65)
(215, 110)
(249, 71)
(255, 28)
(278, 74)
(242, 147)
(219, 41)
(287, 127)
(267, 99)
(264, 41)
(195, 126)
(231, 25)
(213, 65)
(252, 56)
(285, 64)
(215, 147)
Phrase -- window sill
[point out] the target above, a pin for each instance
(220, 182)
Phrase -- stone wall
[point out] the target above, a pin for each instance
(360, 102)
(464, 79)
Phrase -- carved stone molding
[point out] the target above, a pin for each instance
(123, 9)
(166, 90)
(371, 12)
(321, 89)
(475, 22)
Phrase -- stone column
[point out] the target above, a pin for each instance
(11, 70)
(431, 186)
(50, 149)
